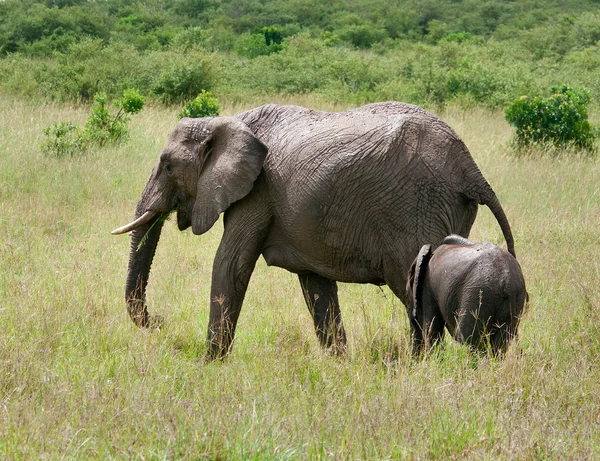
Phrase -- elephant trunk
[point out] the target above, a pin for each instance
(144, 241)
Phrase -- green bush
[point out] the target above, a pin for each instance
(264, 42)
(132, 102)
(356, 73)
(101, 127)
(560, 119)
(90, 67)
(272, 35)
(182, 76)
(300, 67)
(204, 105)
(63, 139)
(362, 35)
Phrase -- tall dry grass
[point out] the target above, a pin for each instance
(79, 381)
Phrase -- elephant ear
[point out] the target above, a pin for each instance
(417, 276)
(234, 160)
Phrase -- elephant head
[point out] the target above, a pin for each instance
(206, 165)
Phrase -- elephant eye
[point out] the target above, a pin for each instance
(168, 167)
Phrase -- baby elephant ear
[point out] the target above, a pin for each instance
(234, 160)
(420, 269)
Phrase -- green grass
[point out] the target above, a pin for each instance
(79, 381)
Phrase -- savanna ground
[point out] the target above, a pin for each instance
(79, 381)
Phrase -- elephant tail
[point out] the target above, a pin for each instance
(494, 205)
(475, 187)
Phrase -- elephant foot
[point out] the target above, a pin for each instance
(217, 347)
(209, 358)
(337, 350)
(155, 322)
(214, 355)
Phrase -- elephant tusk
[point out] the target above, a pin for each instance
(147, 216)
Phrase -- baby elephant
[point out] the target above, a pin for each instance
(475, 290)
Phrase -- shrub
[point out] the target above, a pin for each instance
(329, 38)
(301, 67)
(190, 38)
(264, 42)
(560, 119)
(362, 35)
(182, 76)
(204, 105)
(458, 37)
(101, 128)
(64, 138)
(272, 35)
(356, 73)
(132, 102)
(89, 67)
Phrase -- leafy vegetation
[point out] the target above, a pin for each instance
(560, 119)
(203, 105)
(64, 139)
(101, 128)
(180, 76)
(426, 52)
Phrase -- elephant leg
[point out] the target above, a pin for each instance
(426, 322)
(506, 324)
(230, 279)
(232, 268)
(433, 323)
(416, 334)
(490, 326)
(321, 297)
(433, 331)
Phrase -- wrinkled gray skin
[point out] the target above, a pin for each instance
(347, 197)
(475, 290)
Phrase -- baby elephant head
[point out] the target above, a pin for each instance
(474, 290)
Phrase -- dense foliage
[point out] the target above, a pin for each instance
(422, 51)
(203, 105)
(560, 119)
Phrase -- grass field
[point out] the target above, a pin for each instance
(79, 381)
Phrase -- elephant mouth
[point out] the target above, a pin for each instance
(183, 219)
(179, 203)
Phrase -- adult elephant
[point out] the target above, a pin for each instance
(349, 196)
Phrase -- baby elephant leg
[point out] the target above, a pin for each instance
(432, 323)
